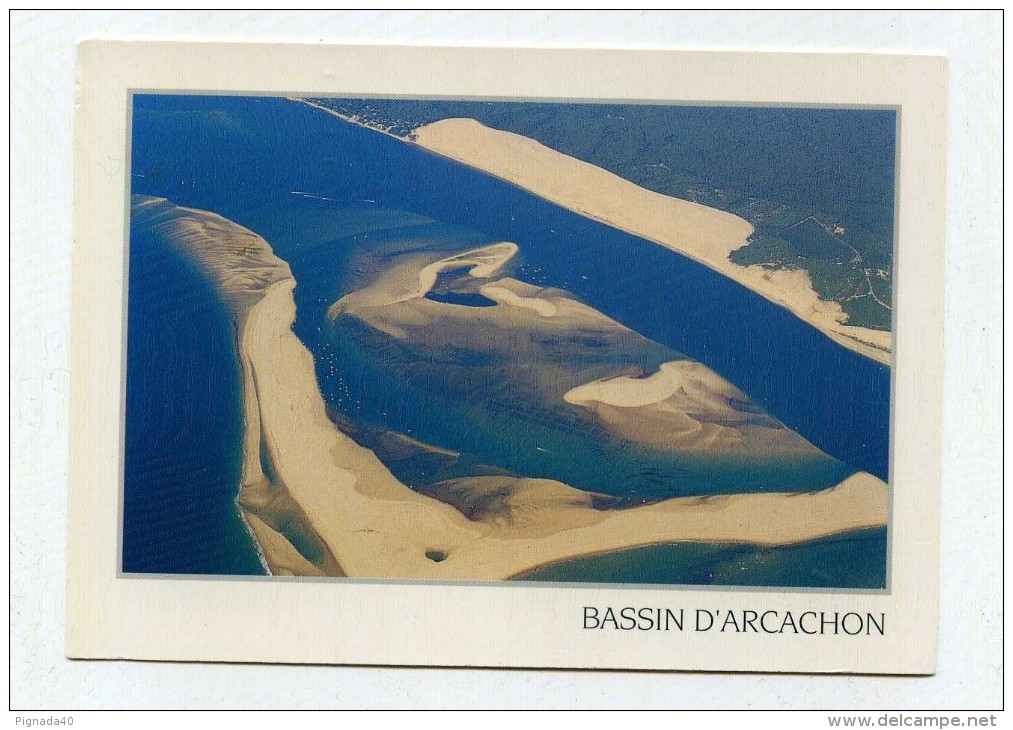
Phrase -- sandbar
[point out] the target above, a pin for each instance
(321, 504)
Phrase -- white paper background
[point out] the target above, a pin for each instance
(42, 87)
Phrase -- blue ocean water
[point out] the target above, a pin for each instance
(254, 160)
(184, 422)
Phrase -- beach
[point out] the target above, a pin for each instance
(321, 504)
(705, 234)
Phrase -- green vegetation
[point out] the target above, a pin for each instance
(817, 184)
(866, 309)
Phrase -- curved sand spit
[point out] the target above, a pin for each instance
(320, 504)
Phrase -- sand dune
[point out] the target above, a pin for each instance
(319, 503)
(705, 234)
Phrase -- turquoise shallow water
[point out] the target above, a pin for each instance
(181, 480)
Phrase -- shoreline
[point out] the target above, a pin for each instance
(321, 504)
(703, 234)
(523, 162)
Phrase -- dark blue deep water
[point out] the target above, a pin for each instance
(184, 423)
(253, 160)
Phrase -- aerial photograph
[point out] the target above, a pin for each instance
(528, 340)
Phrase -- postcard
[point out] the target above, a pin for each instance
(506, 357)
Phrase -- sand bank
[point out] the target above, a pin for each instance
(705, 234)
(687, 407)
(395, 301)
(320, 504)
(412, 282)
(375, 526)
(673, 378)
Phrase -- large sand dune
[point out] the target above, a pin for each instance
(320, 504)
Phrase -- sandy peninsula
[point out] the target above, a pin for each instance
(705, 234)
(321, 504)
